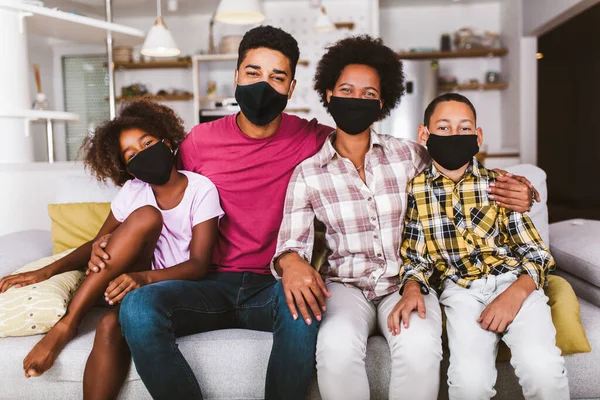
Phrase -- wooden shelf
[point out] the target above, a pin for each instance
(297, 110)
(179, 97)
(153, 65)
(229, 57)
(471, 87)
(435, 55)
(49, 22)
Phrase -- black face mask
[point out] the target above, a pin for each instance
(153, 165)
(354, 116)
(259, 102)
(454, 151)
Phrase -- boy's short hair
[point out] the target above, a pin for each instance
(443, 98)
(271, 38)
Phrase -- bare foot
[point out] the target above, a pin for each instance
(45, 352)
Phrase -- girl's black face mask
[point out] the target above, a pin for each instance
(454, 151)
(353, 115)
(259, 102)
(153, 165)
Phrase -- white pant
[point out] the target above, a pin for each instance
(530, 337)
(342, 345)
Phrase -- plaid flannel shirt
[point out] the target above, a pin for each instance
(364, 222)
(453, 231)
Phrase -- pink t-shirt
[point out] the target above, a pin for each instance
(252, 176)
(200, 203)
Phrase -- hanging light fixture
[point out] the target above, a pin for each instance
(159, 41)
(236, 12)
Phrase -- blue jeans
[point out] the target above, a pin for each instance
(152, 316)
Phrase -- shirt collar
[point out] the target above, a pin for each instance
(328, 152)
(474, 168)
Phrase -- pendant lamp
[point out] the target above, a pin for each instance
(240, 12)
(159, 41)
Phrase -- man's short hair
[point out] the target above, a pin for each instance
(271, 38)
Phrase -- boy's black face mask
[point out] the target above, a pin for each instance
(454, 151)
(153, 165)
(259, 102)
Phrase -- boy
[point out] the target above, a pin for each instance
(489, 264)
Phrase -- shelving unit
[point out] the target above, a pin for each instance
(179, 97)
(122, 66)
(229, 57)
(470, 87)
(50, 22)
(436, 55)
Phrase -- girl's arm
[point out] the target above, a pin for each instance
(204, 236)
(73, 261)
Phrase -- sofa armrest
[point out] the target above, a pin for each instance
(20, 248)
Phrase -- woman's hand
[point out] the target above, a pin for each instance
(24, 279)
(513, 192)
(412, 300)
(98, 256)
(123, 284)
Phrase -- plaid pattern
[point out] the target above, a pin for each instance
(364, 222)
(453, 231)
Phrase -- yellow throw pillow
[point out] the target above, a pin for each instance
(570, 335)
(74, 224)
(36, 308)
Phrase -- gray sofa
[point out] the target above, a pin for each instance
(231, 364)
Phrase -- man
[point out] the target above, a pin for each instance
(250, 158)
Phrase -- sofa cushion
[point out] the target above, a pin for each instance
(34, 309)
(20, 248)
(74, 224)
(574, 246)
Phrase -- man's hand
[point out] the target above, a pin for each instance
(302, 285)
(501, 312)
(24, 279)
(123, 284)
(411, 300)
(513, 192)
(99, 256)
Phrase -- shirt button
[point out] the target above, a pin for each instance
(375, 237)
(369, 199)
(379, 255)
(373, 219)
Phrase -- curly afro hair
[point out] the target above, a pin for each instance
(101, 150)
(364, 50)
(271, 38)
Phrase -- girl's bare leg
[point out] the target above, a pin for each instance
(130, 245)
(109, 361)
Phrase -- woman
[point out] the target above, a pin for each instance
(356, 186)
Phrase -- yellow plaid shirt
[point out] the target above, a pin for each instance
(454, 231)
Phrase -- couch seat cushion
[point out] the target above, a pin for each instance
(574, 245)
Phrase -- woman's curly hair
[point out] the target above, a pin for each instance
(101, 150)
(364, 50)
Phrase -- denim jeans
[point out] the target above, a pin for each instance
(153, 316)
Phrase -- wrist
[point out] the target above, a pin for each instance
(286, 261)
(145, 277)
(412, 287)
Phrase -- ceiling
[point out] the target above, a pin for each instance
(131, 8)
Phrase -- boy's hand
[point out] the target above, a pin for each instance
(501, 312)
(123, 284)
(24, 279)
(411, 300)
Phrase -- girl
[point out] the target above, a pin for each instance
(163, 224)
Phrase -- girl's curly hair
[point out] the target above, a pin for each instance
(364, 50)
(101, 151)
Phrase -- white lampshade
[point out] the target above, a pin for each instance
(159, 41)
(240, 12)
(324, 23)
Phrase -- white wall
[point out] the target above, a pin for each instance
(540, 16)
(406, 27)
